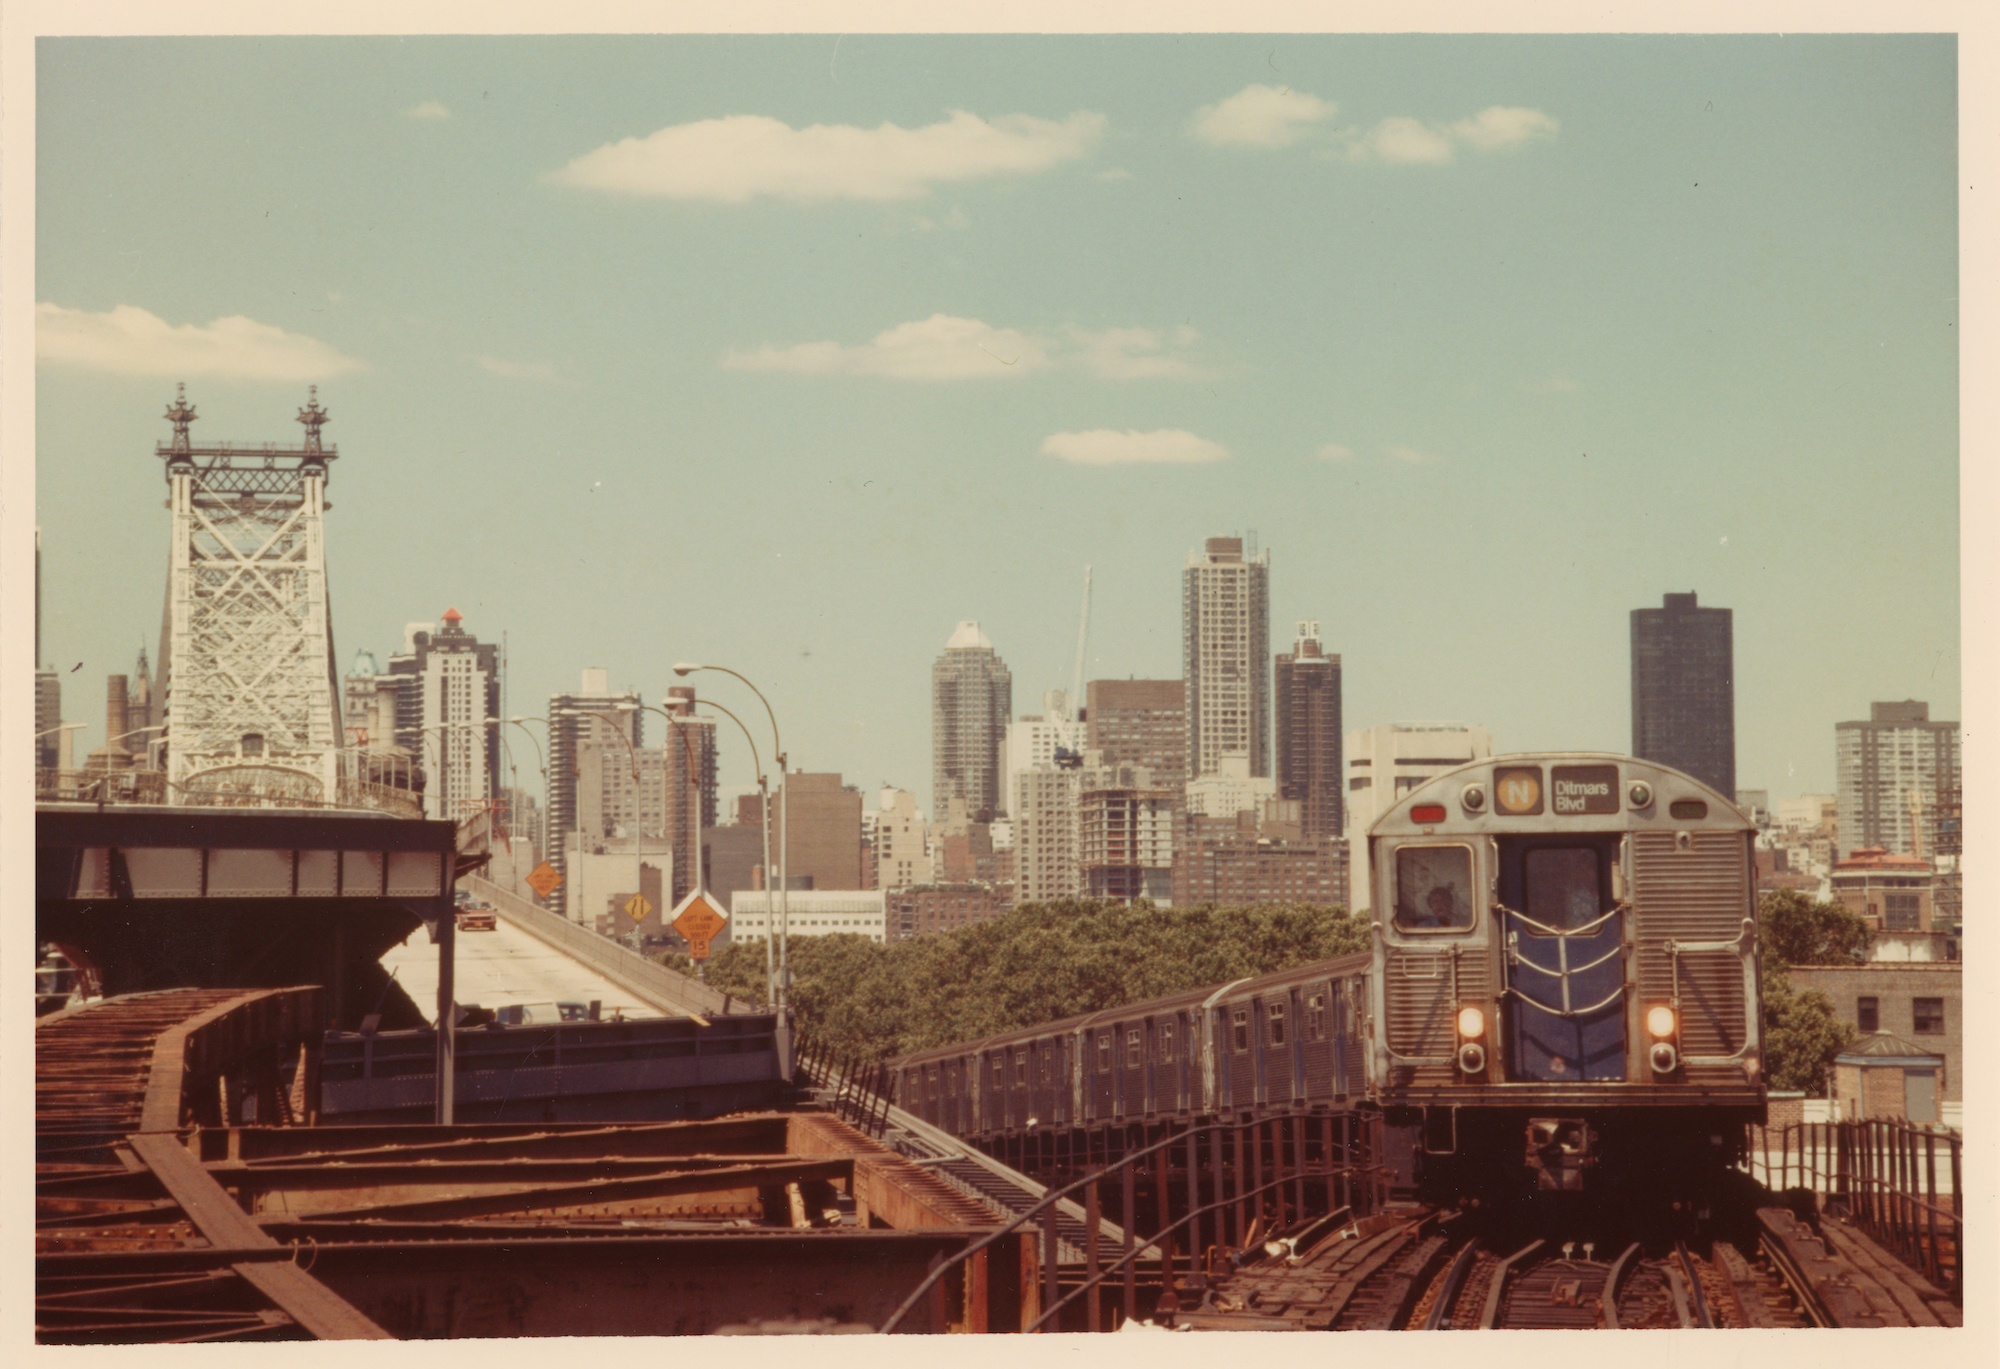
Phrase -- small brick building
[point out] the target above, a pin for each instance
(1884, 1078)
(1921, 1002)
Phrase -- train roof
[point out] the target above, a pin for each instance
(1558, 791)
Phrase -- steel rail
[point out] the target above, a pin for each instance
(1495, 1291)
(1620, 1268)
(1698, 1304)
(1447, 1294)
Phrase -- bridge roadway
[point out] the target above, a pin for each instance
(507, 966)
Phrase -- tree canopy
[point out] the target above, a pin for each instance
(1040, 962)
(1802, 1032)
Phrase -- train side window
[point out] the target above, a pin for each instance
(1561, 886)
(1274, 1017)
(1316, 1017)
(1241, 1022)
(1433, 888)
(1134, 1051)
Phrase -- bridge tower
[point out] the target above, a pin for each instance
(252, 699)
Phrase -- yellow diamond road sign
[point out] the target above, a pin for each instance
(700, 922)
(544, 879)
(636, 907)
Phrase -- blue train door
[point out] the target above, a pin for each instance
(1564, 939)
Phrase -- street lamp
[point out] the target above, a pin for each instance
(782, 994)
(694, 804)
(638, 856)
(764, 812)
(521, 720)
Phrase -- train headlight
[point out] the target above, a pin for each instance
(1664, 1057)
(1660, 1021)
(1471, 1023)
(1472, 1057)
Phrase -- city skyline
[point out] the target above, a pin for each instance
(1489, 341)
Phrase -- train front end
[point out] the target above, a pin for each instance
(1565, 993)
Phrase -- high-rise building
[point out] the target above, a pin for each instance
(664, 803)
(1124, 833)
(972, 695)
(450, 686)
(1044, 814)
(1308, 717)
(1683, 690)
(1032, 740)
(824, 850)
(1225, 655)
(895, 840)
(1388, 761)
(589, 733)
(1889, 773)
(1139, 722)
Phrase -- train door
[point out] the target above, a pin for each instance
(1132, 1076)
(1241, 1061)
(1565, 957)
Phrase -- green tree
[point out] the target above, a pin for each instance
(1802, 1035)
(1802, 1032)
(1796, 930)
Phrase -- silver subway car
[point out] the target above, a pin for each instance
(1565, 982)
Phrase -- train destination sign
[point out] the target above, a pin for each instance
(1584, 788)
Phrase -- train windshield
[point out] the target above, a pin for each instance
(1562, 887)
(1433, 888)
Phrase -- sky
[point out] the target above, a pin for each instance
(790, 353)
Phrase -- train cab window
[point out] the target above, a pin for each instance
(1433, 888)
(1561, 886)
(1274, 1018)
(1240, 1023)
(1134, 1051)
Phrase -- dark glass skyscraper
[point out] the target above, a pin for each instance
(1684, 690)
(1308, 709)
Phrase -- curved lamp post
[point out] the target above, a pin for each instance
(781, 995)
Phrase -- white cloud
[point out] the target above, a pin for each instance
(518, 370)
(1260, 116)
(429, 109)
(1113, 173)
(943, 347)
(740, 157)
(1503, 126)
(1132, 354)
(1410, 456)
(1333, 451)
(1404, 140)
(131, 341)
(1104, 447)
(937, 348)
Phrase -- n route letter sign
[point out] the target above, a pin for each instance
(699, 921)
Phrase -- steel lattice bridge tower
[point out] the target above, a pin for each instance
(252, 704)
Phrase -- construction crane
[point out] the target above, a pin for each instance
(1069, 736)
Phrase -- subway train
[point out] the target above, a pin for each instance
(1560, 995)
